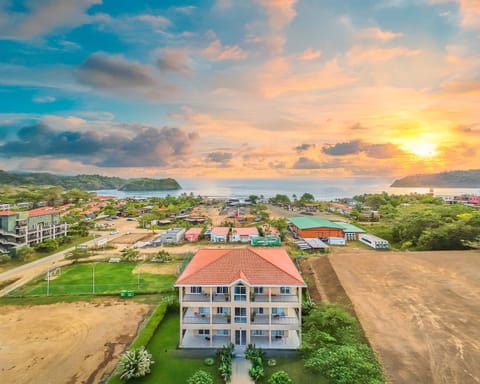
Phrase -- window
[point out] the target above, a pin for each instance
(240, 315)
(222, 310)
(204, 310)
(285, 290)
(258, 290)
(240, 293)
(278, 312)
(204, 332)
(258, 332)
(278, 333)
(222, 332)
(258, 311)
(222, 290)
(196, 290)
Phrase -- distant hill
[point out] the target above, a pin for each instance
(88, 182)
(452, 179)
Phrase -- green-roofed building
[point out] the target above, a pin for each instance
(312, 227)
(351, 231)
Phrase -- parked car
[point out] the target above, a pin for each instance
(114, 232)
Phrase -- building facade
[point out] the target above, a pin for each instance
(243, 296)
(26, 228)
(311, 227)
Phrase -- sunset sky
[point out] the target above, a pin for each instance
(251, 88)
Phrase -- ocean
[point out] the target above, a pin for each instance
(321, 189)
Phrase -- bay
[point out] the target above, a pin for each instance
(320, 188)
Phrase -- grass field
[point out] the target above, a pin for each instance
(97, 278)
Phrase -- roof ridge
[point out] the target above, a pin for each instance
(276, 266)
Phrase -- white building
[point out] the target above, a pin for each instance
(243, 296)
(373, 241)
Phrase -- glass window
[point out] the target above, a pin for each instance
(278, 333)
(196, 290)
(285, 290)
(240, 293)
(240, 315)
(258, 290)
(222, 332)
(204, 332)
(258, 332)
(222, 290)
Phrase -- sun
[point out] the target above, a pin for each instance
(421, 148)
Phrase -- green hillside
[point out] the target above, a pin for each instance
(452, 179)
(88, 182)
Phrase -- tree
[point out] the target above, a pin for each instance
(306, 198)
(135, 363)
(25, 253)
(129, 254)
(253, 199)
(200, 377)
(46, 245)
(280, 377)
(77, 253)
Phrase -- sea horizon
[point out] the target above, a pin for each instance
(320, 188)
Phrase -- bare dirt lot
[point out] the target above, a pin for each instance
(420, 311)
(65, 342)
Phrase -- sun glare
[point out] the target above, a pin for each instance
(421, 148)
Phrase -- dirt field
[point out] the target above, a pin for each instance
(420, 311)
(65, 342)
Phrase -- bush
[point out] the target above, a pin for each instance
(272, 362)
(5, 258)
(346, 364)
(280, 377)
(146, 333)
(209, 361)
(200, 377)
(135, 363)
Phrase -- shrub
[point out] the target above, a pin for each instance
(280, 377)
(225, 355)
(135, 363)
(200, 377)
(346, 364)
(146, 333)
(209, 361)
(272, 362)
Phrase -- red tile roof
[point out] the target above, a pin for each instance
(42, 211)
(245, 231)
(220, 231)
(255, 266)
(7, 213)
(194, 231)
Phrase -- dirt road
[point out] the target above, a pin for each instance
(420, 311)
(65, 342)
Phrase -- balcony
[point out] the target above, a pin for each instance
(285, 298)
(195, 297)
(275, 320)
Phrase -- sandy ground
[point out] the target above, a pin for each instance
(157, 269)
(420, 311)
(65, 342)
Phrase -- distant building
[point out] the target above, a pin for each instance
(219, 234)
(26, 228)
(243, 235)
(373, 241)
(193, 234)
(350, 231)
(311, 227)
(170, 236)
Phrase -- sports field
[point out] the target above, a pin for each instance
(97, 278)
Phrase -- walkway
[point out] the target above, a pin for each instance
(240, 367)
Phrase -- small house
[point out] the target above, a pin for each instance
(243, 235)
(373, 241)
(193, 234)
(219, 234)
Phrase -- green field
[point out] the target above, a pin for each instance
(97, 278)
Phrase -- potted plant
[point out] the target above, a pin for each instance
(227, 297)
(252, 296)
(227, 317)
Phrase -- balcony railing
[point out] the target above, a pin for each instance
(275, 320)
(198, 319)
(195, 297)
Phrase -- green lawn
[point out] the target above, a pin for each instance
(110, 278)
(169, 367)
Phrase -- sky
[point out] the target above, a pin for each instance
(235, 89)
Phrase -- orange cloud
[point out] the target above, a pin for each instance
(310, 54)
(280, 12)
(377, 34)
(218, 52)
(373, 54)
